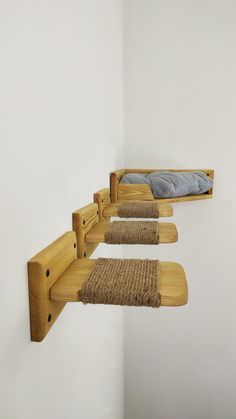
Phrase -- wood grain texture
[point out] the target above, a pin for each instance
(83, 220)
(133, 192)
(167, 233)
(165, 210)
(122, 192)
(114, 180)
(44, 269)
(173, 285)
(102, 198)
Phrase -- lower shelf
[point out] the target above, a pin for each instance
(173, 287)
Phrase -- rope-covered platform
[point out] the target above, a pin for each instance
(132, 209)
(126, 282)
(132, 232)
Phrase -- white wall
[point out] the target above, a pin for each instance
(180, 101)
(61, 134)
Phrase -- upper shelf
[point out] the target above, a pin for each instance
(121, 192)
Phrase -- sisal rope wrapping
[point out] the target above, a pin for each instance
(125, 282)
(134, 209)
(132, 232)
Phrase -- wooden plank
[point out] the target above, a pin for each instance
(133, 192)
(114, 180)
(102, 198)
(185, 198)
(173, 285)
(44, 269)
(167, 233)
(83, 220)
(165, 210)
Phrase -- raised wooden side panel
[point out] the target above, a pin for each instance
(114, 181)
(44, 269)
(129, 192)
(102, 198)
(83, 220)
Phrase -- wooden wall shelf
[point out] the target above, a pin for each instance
(107, 209)
(56, 276)
(121, 192)
(90, 232)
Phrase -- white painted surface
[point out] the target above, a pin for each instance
(61, 134)
(180, 90)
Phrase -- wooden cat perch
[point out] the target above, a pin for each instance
(63, 272)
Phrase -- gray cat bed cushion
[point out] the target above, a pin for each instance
(171, 184)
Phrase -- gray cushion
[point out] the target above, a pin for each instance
(172, 184)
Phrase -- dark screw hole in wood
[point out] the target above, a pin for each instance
(83, 222)
(74, 245)
(49, 318)
(102, 201)
(85, 254)
(47, 273)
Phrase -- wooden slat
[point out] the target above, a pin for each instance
(102, 198)
(173, 285)
(165, 210)
(43, 271)
(185, 198)
(134, 192)
(114, 180)
(83, 220)
(167, 233)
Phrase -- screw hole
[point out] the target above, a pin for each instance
(85, 254)
(97, 212)
(47, 273)
(74, 245)
(83, 222)
(49, 317)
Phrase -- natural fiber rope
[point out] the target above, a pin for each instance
(129, 282)
(134, 209)
(132, 232)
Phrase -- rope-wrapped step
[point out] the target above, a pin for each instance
(126, 282)
(134, 209)
(132, 232)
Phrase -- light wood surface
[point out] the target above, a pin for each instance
(173, 285)
(133, 192)
(83, 220)
(43, 271)
(167, 233)
(102, 198)
(165, 210)
(121, 192)
(114, 180)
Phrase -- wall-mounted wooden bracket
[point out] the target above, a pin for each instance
(106, 209)
(44, 269)
(83, 221)
(56, 277)
(90, 232)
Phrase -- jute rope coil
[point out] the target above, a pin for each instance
(132, 232)
(126, 282)
(134, 209)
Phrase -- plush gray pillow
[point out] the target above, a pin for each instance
(172, 184)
